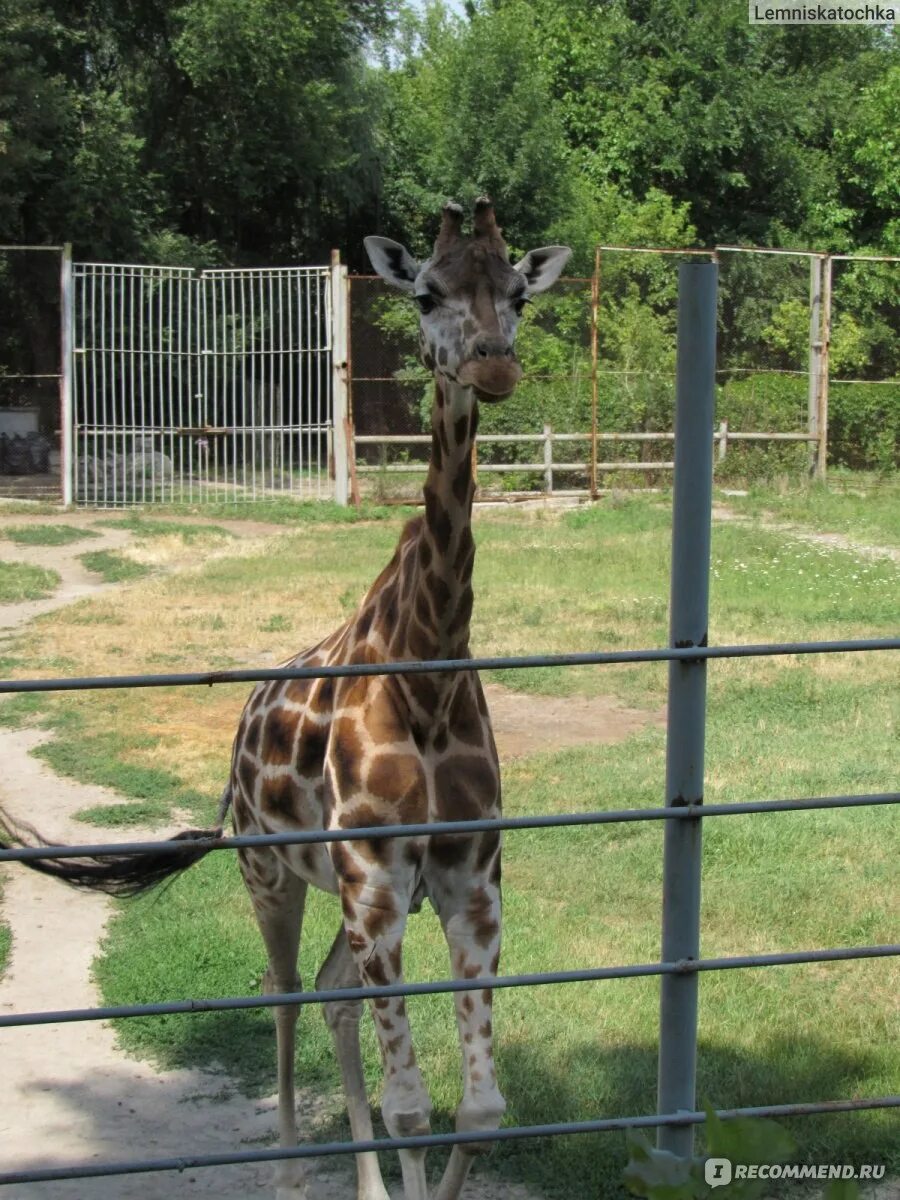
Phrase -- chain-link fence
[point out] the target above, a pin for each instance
(808, 366)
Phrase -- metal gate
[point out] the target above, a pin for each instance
(202, 386)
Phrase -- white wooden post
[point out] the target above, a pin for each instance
(824, 350)
(723, 439)
(339, 380)
(548, 460)
(66, 415)
(815, 357)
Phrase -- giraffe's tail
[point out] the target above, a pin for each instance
(115, 874)
(224, 805)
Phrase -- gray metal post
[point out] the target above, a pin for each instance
(688, 624)
(815, 349)
(66, 415)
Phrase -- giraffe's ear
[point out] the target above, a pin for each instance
(543, 267)
(393, 262)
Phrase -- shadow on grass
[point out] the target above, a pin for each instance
(588, 1082)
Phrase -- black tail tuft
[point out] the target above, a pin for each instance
(117, 875)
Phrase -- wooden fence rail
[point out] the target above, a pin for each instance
(548, 465)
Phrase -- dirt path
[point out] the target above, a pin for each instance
(76, 580)
(69, 1095)
(837, 541)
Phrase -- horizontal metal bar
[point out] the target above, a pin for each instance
(187, 1162)
(424, 667)
(767, 437)
(265, 272)
(198, 430)
(647, 250)
(162, 352)
(864, 258)
(771, 250)
(423, 439)
(87, 270)
(4, 377)
(497, 468)
(439, 987)
(56, 248)
(308, 837)
(624, 465)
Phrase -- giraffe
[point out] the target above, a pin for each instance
(344, 753)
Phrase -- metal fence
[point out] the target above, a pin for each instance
(201, 386)
(680, 965)
(596, 407)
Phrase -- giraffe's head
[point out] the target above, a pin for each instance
(470, 297)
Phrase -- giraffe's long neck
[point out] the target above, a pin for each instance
(441, 602)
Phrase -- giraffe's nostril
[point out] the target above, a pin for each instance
(493, 348)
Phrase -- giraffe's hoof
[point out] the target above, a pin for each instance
(291, 1181)
(295, 1191)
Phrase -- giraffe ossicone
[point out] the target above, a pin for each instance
(383, 750)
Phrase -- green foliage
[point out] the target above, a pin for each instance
(867, 153)
(462, 118)
(659, 1175)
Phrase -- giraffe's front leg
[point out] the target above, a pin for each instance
(375, 908)
(468, 903)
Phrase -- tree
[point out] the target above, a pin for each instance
(468, 110)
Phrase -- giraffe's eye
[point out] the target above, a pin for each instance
(426, 304)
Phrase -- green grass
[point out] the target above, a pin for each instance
(45, 535)
(124, 815)
(291, 512)
(863, 507)
(22, 581)
(595, 578)
(143, 528)
(112, 566)
(5, 942)
(30, 508)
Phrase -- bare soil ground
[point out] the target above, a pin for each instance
(69, 1094)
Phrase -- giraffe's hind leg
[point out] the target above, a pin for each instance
(278, 899)
(343, 1017)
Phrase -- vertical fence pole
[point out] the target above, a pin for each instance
(67, 416)
(824, 369)
(688, 625)
(815, 348)
(548, 459)
(339, 324)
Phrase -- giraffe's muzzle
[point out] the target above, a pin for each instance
(493, 371)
